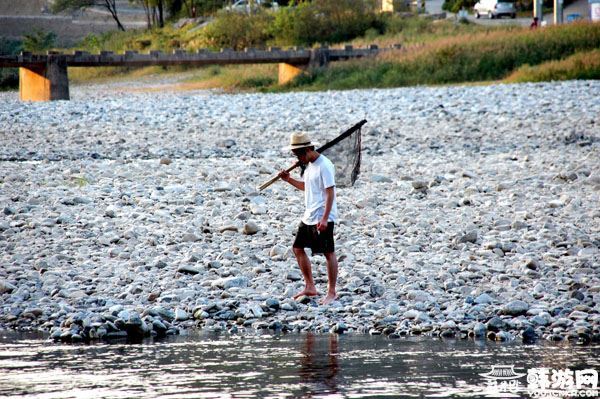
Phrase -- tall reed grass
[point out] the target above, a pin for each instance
(464, 58)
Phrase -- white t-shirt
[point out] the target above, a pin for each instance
(318, 176)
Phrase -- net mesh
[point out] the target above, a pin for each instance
(346, 156)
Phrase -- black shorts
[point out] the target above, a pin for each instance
(308, 237)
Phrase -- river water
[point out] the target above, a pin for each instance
(202, 365)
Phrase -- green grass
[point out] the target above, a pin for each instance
(433, 52)
(234, 78)
(487, 56)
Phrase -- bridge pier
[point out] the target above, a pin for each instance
(46, 82)
(288, 72)
(318, 58)
(44, 77)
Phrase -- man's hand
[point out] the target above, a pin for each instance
(322, 225)
(284, 175)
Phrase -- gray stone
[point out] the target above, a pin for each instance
(479, 330)
(272, 303)
(166, 314)
(230, 282)
(484, 299)
(250, 228)
(515, 308)
(495, 324)
(277, 251)
(380, 179)
(181, 315)
(504, 336)
(6, 287)
(110, 212)
(471, 237)
(339, 328)
(190, 237)
(293, 276)
(376, 290)
(187, 269)
(419, 185)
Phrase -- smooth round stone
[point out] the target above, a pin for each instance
(515, 308)
(250, 228)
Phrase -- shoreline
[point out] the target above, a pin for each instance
(474, 212)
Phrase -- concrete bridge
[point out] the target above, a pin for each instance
(44, 77)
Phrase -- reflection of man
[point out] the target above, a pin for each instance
(319, 367)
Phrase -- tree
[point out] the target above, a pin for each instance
(39, 41)
(155, 11)
(110, 5)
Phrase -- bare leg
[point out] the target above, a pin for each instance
(332, 273)
(305, 268)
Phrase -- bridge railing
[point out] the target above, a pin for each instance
(44, 76)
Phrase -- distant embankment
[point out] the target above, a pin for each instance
(18, 18)
(485, 56)
(68, 30)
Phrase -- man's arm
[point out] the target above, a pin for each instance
(285, 176)
(329, 196)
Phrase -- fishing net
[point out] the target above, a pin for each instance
(344, 152)
(345, 156)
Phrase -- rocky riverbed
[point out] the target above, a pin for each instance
(128, 213)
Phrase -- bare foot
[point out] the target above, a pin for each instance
(328, 299)
(306, 292)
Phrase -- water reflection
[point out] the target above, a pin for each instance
(319, 365)
(274, 366)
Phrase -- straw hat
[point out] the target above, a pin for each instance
(300, 140)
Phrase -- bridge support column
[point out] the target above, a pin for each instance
(46, 82)
(319, 58)
(288, 72)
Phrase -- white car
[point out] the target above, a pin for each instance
(248, 5)
(495, 9)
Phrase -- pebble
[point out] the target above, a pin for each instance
(489, 229)
(515, 308)
(187, 269)
(250, 228)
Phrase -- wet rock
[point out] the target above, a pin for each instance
(339, 328)
(495, 324)
(479, 330)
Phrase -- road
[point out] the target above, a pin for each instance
(580, 7)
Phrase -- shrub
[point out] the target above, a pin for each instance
(9, 77)
(323, 21)
(39, 41)
(236, 30)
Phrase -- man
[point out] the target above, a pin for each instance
(316, 228)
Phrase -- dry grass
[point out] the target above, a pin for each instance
(582, 65)
(484, 56)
